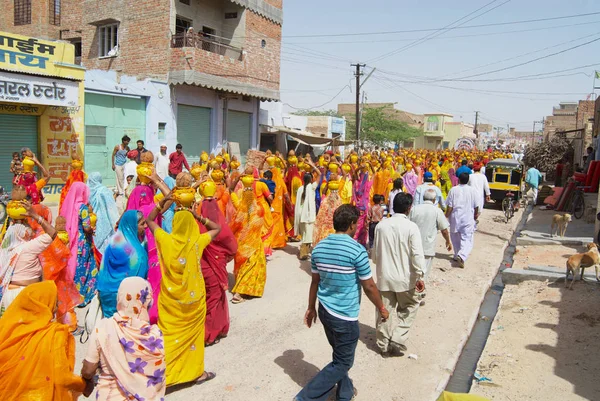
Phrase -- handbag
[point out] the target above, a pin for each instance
(92, 317)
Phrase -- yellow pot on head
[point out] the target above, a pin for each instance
(234, 164)
(293, 160)
(247, 181)
(346, 168)
(204, 157)
(77, 164)
(333, 168)
(28, 165)
(184, 197)
(270, 161)
(354, 159)
(219, 159)
(208, 189)
(217, 175)
(16, 210)
(334, 185)
(144, 171)
(226, 157)
(196, 171)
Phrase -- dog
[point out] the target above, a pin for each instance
(560, 222)
(591, 258)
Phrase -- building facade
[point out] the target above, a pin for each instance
(167, 71)
(41, 106)
(434, 126)
(571, 116)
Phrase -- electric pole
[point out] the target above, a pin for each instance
(358, 74)
(475, 130)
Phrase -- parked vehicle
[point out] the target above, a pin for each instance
(505, 176)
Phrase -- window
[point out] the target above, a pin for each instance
(231, 15)
(182, 25)
(186, 2)
(161, 130)
(22, 12)
(95, 135)
(108, 40)
(54, 12)
(433, 124)
(77, 43)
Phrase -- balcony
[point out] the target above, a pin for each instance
(204, 42)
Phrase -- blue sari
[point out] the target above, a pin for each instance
(167, 216)
(104, 205)
(125, 256)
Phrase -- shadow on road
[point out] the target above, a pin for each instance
(293, 364)
(368, 337)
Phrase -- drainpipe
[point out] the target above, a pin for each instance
(225, 112)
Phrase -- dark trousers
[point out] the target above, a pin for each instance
(343, 338)
(372, 226)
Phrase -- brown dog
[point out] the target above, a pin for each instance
(581, 261)
(560, 222)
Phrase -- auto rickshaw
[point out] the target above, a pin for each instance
(504, 176)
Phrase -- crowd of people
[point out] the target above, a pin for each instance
(156, 271)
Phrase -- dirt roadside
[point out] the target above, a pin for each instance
(270, 355)
(544, 344)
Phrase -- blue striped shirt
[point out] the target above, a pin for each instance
(342, 263)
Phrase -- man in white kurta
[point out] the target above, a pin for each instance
(161, 162)
(479, 182)
(462, 211)
(398, 256)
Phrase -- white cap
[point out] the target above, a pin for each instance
(163, 144)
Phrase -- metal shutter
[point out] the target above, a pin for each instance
(193, 130)
(16, 132)
(239, 129)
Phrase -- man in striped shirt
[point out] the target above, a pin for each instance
(340, 267)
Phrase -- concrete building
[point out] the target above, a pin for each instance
(167, 71)
(454, 130)
(435, 131)
(41, 106)
(571, 116)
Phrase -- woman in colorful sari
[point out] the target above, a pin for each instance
(125, 256)
(411, 181)
(214, 261)
(324, 221)
(182, 299)
(293, 181)
(19, 257)
(250, 267)
(362, 198)
(167, 216)
(37, 354)
(281, 203)
(82, 263)
(128, 350)
(103, 202)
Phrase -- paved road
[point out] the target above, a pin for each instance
(270, 355)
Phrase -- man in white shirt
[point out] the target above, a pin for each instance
(161, 162)
(430, 219)
(398, 255)
(395, 191)
(428, 184)
(479, 182)
(462, 212)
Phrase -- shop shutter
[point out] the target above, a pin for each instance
(193, 130)
(16, 132)
(239, 129)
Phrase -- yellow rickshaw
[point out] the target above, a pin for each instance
(505, 177)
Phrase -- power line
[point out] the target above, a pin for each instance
(437, 29)
(445, 37)
(324, 104)
(440, 31)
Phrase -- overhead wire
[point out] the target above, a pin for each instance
(324, 104)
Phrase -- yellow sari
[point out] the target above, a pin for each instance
(279, 233)
(250, 267)
(182, 299)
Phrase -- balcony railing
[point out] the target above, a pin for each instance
(210, 44)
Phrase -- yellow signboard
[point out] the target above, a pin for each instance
(40, 57)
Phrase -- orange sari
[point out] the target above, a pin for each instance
(279, 233)
(261, 193)
(37, 354)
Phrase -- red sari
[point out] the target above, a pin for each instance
(214, 261)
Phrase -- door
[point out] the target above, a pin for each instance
(193, 130)
(17, 132)
(239, 129)
(107, 119)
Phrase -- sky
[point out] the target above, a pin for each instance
(419, 70)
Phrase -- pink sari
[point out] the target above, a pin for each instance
(77, 196)
(410, 182)
(362, 191)
(140, 196)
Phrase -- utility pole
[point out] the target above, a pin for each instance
(533, 132)
(475, 130)
(358, 74)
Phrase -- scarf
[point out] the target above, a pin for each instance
(134, 348)
(15, 236)
(141, 195)
(105, 208)
(78, 196)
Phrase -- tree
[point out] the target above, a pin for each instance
(379, 129)
(311, 113)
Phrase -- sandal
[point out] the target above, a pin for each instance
(209, 376)
(213, 343)
(237, 300)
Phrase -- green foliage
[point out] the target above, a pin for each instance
(379, 129)
(312, 113)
